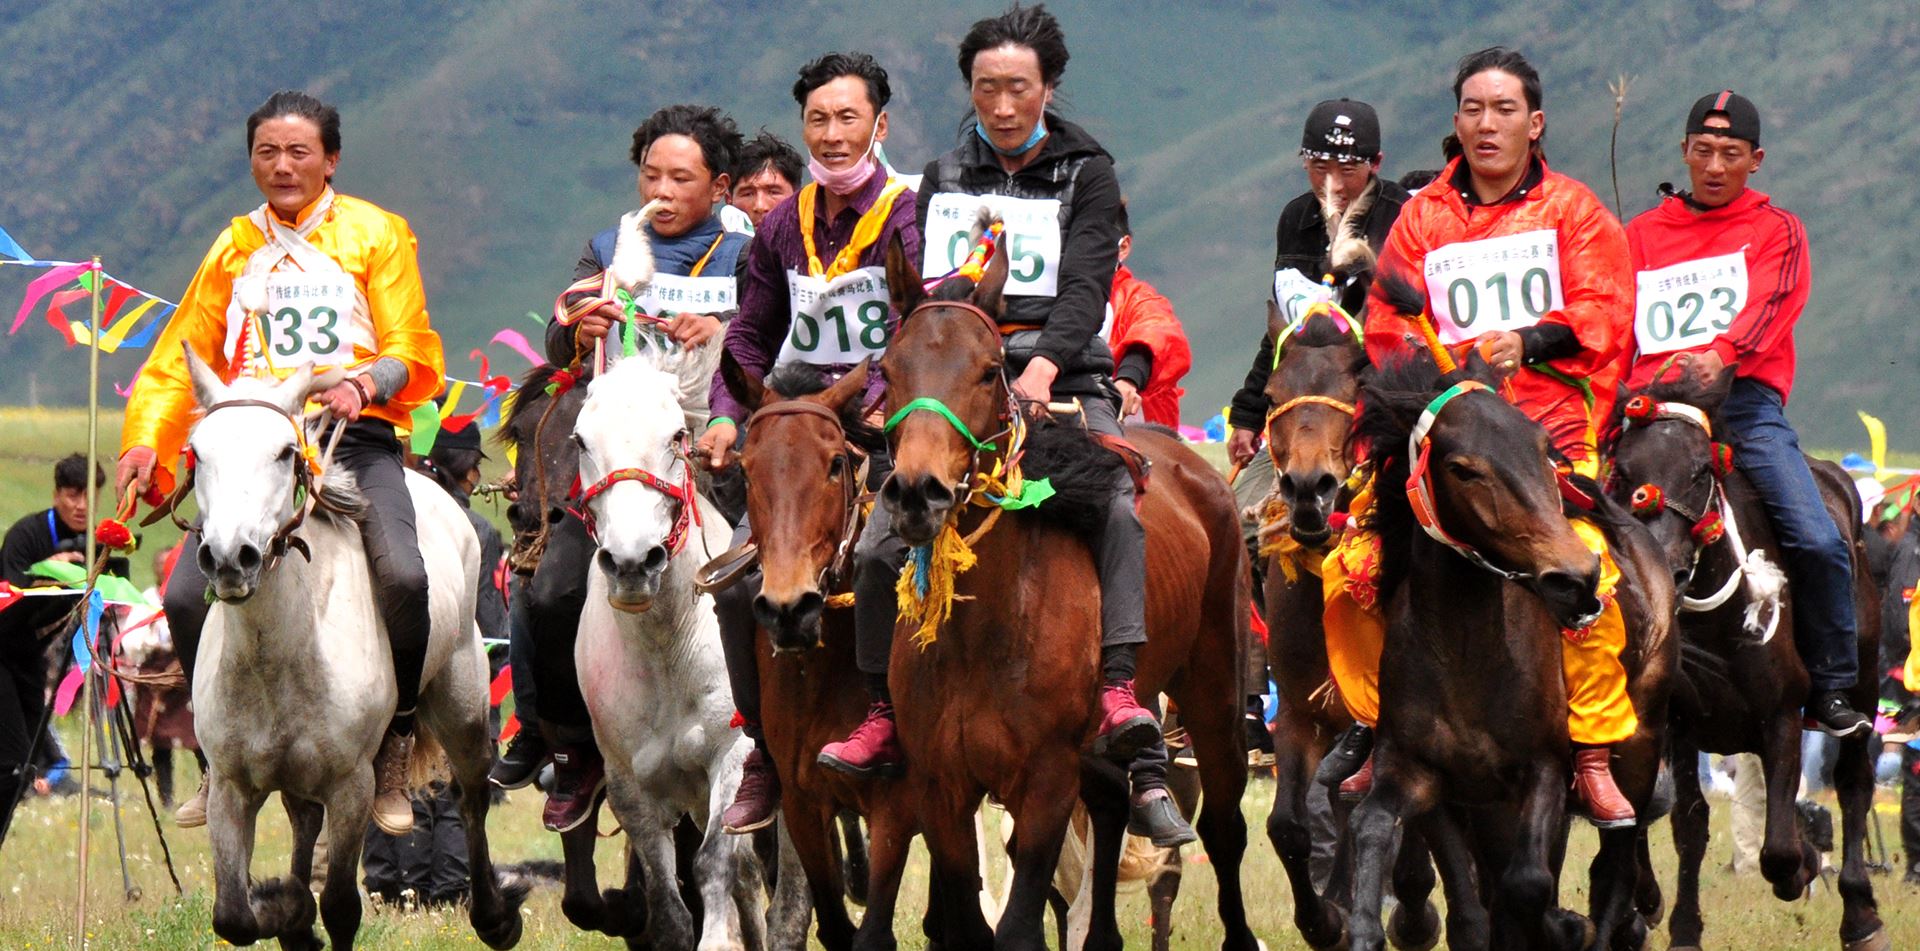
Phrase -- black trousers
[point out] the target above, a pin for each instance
(23, 679)
(369, 450)
(431, 860)
(554, 597)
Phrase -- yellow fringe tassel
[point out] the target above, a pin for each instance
(842, 600)
(951, 557)
(1277, 541)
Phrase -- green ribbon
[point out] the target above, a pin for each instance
(1584, 385)
(112, 588)
(1032, 493)
(933, 405)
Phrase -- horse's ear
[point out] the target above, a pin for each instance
(988, 295)
(903, 280)
(207, 388)
(1276, 321)
(1716, 394)
(749, 391)
(848, 387)
(293, 391)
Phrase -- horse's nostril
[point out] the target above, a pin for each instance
(204, 558)
(248, 558)
(810, 605)
(1326, 485)
(605, 558)
(1286, 485)
(656, 559)
(890, 491)
(937, 493)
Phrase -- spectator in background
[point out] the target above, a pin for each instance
(1149, 347)
(161, 717)
(767, 174)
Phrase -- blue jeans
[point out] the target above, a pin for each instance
(1818, 561)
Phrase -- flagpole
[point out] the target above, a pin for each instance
(93, 519)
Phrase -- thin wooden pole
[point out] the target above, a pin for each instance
(93, 519)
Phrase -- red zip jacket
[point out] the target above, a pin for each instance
(1143, 318)
(1747, 316)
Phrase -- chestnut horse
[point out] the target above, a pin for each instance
(991, 704)
(1473, 749)
(1742, 683)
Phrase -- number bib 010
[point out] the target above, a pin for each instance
(670, 294)
(1504, 283)
(1686, 305)
(312, 318)
(1294, 292)
(1033, 238)
(837, 323)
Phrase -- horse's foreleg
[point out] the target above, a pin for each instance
(580, 899)
(890, 829)
(1399, 793)
(1526, 907)
(1103, 788)
(285, 908)
(459, 722)
(807, 825)
(727, 872)
(791, 910)
(1689, 819)
(1213, 719)
(1289, 828)
(231, 813)
(947, 825)
(670, 924)
(1784, 859)
(349, 810)
(1415, 923)
(1042, 814)
(1468, 926)
(1860, 925)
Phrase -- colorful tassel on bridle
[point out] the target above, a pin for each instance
(926, 587)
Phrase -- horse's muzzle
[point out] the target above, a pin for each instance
(919, 505)
(1573, 598)
(632, 585)
(234, 575)
(1310, 499)
(792, 626)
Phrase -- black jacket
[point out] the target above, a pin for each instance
(1075, 169)
(1300, 242)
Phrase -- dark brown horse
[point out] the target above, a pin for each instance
(1473, 750)
(803, 454)
(1742, 683)
(991, 705)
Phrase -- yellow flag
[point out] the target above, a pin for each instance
(1876, 441)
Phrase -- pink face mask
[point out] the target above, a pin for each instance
(847, 180)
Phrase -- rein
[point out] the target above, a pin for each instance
(1014, 430)
(1420, 487)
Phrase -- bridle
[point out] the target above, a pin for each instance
(1013, 429)
(305, 475)
(1420, 481)
(686, 507)
(853, 477)
(1713, 520)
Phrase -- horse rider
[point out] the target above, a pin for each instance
(821, 250)
(1722, 277)
(1149, 344)
(766, 174)
(1339, 148)
(1526, 265)
(310, 276)
(1055, 189)
(685, 155)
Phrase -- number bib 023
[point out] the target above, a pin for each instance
(1686, 305)
(1294, 292)
(670, 294)
(312, 318)
(838, 322)
(1033, 238)
(1504, 283)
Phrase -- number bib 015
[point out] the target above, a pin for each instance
(837, 323)
(312, 318)
(1686, 305)
(1504, 283)
(670, 294)
(1294, 292)
(1033, 238)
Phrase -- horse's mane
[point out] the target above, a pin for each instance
(1393, 396)
(794, 379)
(339, 498)
(1161, 428)
(529, 401)
(1685, 389)
(956, 289)
(1081, 471)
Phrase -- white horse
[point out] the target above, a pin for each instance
(294, 685)
(650, 661)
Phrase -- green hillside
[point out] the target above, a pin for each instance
(500, 128)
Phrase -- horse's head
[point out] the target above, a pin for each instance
(250, 465)
(947, 392)
(637, 494)
(1313, 388)
(802, 488)
(536, 425)
(1667, 467)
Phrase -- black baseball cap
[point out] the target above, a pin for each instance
(1742, 118)
(466, 437)
(1344, 130)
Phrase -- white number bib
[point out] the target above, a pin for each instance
(1033, 238)
(1685, 305)
(312, 318)
(1294, 292)
(1504, 283)
(678, 294)
(837, 323)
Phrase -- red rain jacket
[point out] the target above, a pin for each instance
(1143, 318)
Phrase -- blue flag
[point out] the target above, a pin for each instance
(10, 248)
(89, 632)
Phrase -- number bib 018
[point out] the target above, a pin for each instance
(1033, 238)
(1504, 283)
(1686, 305)
(312, 318)
(670, 294)
(837, 323)
(1294, 292)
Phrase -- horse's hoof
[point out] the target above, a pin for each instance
(1409, 933)
(1877, 941)
(1336, 916)
(501, 934)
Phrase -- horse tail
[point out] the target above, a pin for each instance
(428, 762)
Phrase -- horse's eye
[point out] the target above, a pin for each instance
(576, 440)
(992, 373)
(837, 468)
(286, 455)
(1462, 471)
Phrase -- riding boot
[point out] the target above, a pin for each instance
(392, 806)
(1152, 813)
(1355, 787)
(873, 749)
(1126, 726)
(1594, 789)
(1349, 753)
(192, 814)
(757, 799)
(579, 776)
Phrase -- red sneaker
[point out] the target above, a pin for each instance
(579, 776)
(873, 749)
(1126, 727)
(1355, 788)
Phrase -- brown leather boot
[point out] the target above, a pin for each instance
(392, 801)
(1593, 785)
(1355, 788)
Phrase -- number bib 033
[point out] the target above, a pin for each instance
(1686, 305)
(670, 294)
(1033, 238)
(1504, 283)
(839, 322)
(1294, 292)
(311, 318)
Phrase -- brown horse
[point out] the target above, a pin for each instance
(991, 705)
(1473, 749)
(803, 460)
(1742, 683)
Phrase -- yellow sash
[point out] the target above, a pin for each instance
(865, 233)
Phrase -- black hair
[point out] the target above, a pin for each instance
(292, 102)
(447, 464)
(717, 136)
(765, 151)
(1122, 220)
(1418, 179)
(1032, 27)
(1505, 60)
(794, 379)
(71, 473)
(832, 66)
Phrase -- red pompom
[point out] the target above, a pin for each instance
(112, 533)
(1648, 501)
(1338, 521)
(1642, 407)
(1722, 459)
(1709, 529)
